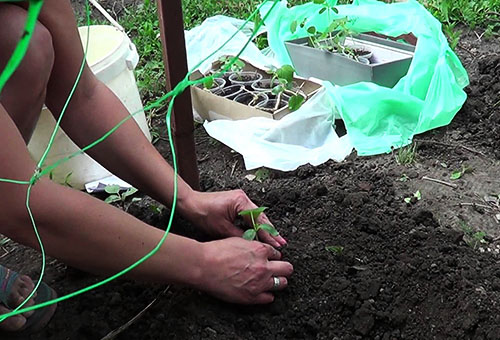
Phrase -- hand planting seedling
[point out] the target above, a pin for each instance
(116, 196)
(254, 214)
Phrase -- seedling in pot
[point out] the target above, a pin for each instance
(333, 38)
(237, 66)
(251, 98)
(254, 214)
(284, 77)
(214, 84)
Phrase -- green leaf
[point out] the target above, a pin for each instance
(254, 212)
(112, 198)
(318, 2)
(269, 228)
(136, 199)
(456, 174)
(129, 192)
(407, 200)
(239, 63)
(335, 249)
(249, 234)
(209, 83)
(293, 26)
(332, 27)
(322, 10)
(335, 10)
(286, 72)
(295, 102)
(112, 189)
(277, 89)
(418, 195)
(311, 30)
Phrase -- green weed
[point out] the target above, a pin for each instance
(407, 155)
(472, 237)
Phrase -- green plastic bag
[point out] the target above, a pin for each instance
(378, 118)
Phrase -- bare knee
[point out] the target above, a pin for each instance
(24, 93)
(33, 73)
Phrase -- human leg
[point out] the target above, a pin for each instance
(24, 94)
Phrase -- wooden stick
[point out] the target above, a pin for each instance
(452, 185)
(476, 205)
(450, 144)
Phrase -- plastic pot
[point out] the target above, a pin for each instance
(271, 105)
(245, 78)
(230, 92)
(219, 83)
(265, 85)
(251, 98)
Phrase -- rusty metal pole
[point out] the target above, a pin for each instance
(174, 58)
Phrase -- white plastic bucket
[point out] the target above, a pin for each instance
(112, 57)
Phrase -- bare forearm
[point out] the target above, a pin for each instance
(96, 237)
(127, 152)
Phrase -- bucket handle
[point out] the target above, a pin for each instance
(107, 15)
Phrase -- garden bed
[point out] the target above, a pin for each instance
(405, 271)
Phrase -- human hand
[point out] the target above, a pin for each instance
(240, 271)
(215, 213)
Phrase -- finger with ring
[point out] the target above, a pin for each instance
(276, 283)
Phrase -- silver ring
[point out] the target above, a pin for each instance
(276, 282)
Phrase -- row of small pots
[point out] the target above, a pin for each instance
(250, 89)
(260, 99)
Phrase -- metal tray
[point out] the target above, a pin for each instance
(389, 63)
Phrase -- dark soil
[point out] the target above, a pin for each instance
(405, 271)
(265, 84)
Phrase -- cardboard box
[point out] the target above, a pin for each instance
(210, 106)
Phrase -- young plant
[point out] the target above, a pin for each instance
(407, 155)
(116, 196)
(471, 237)
(226, 60)
(417, 196)
(457, 174)
(336, 250)
(284, 77)
(254, 214)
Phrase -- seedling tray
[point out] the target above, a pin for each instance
(211, 107)
(390, 62)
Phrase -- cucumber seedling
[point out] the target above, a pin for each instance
(254, 214)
